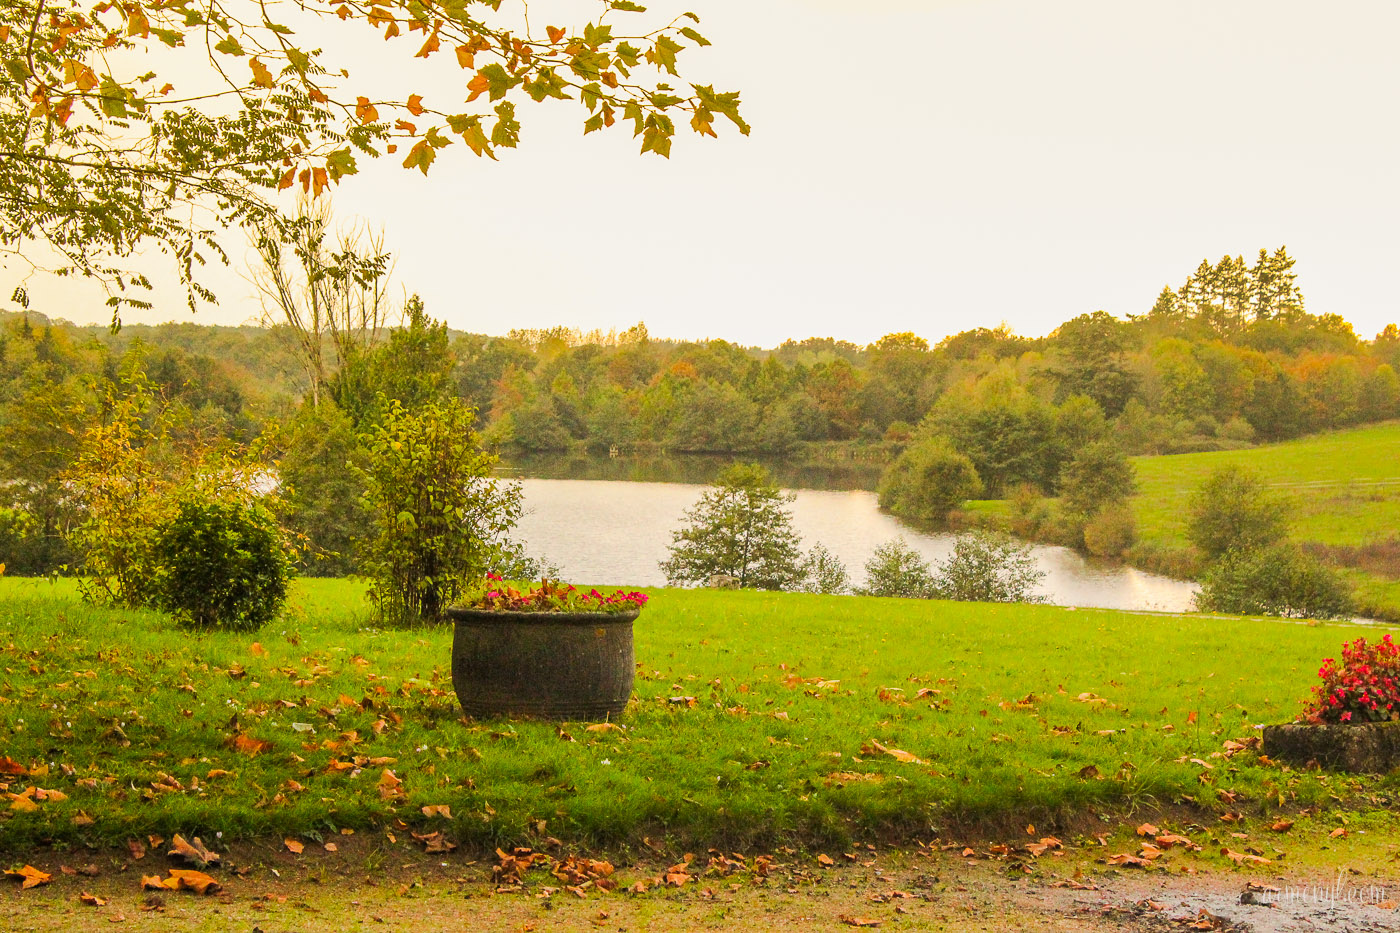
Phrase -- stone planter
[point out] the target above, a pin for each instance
(543, 665)
(1364, 748)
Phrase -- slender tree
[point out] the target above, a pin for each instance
(740, 528)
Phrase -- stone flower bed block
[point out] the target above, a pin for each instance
(1364, 748)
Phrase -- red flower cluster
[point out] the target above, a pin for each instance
(1364, 687)
(553, 596)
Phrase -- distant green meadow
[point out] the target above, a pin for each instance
(758, 719)
(1344, 488)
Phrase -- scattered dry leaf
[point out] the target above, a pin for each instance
(30, 877)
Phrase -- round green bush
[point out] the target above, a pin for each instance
(222, 565)
(1111, 531)
(1276, 581)
(928, 481)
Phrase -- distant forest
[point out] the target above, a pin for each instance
(1229, 358)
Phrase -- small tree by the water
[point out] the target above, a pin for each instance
(825, 572)
(988, 568)
(896, 569)
(1233, 510)
(740, 528)
(984, 567)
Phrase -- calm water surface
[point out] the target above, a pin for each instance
(613, 532)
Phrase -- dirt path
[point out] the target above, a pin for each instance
(269, 891)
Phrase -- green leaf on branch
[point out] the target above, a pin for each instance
(506, 133)
(469, 127)
(633, 111)
(340, 163)
(694, 36)
(113, 97)
(657, 136)
(596, 36)
(229, 46)
(627, 6)
(499, 81)
(663, 54)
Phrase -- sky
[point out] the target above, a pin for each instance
(914, 166)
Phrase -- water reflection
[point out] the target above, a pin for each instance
(615, 532)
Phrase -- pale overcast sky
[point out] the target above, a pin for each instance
(928, 166)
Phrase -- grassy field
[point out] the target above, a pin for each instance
(758, 719)
(1345, 493)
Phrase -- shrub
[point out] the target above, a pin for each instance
(1029, 511)
(928, 481)
(824, 572)
(1364, 687)
(740, 528)
(989, 568)
(896, 569)
(323, 481)
(1099, 475)
(1237, 429)
(1276, 581)
(130, 483)
(221, 565)
(1234, 511)
(1111, 531)
(439, 517)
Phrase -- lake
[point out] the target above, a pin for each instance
(615, 531)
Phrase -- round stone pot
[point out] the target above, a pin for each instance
(544, 665)
(1362, 748)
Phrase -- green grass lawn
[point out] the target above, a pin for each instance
(758, 718)
(1344, 488)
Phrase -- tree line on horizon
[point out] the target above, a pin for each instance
(1229, 358)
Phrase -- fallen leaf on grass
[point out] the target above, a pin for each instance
(858, 921)
(293, 846)
(23, 803)
(248, 745)
(1167, 840)
(181, 880)
(1129, 861)
(1282, 826)
(435, 842)
(30, 877)
(826, 860)
(1147, 829)
(604, 727)
(1040, 848)
(10, 766)
(898, 755)
(191, 851)
(92, 900)
(1336, 833)
(441, 809)
(1090, 773)
(1239, 858)
(390, 786)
